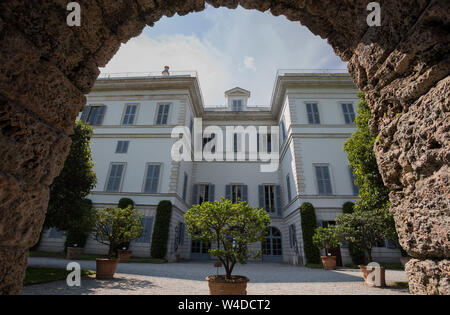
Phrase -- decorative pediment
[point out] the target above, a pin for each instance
(237, 91)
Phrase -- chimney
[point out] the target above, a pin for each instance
(166, 71)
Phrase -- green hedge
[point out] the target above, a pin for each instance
(160, 236)
(125, 202)
(309, 223)
(357, 255)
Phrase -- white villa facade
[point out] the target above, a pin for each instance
(133, 119)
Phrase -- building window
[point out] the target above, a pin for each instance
(354, 186)
(55, 233)
(288, 186)
(323, 180)
(272, 245)
(152, 178)
(269, 198)
(293, 237)
(185, 185)
(313, 113)
(236, 193)
(349, 113)
(203, 194)
(207, 140)
(130, 115)
(147, 224)
(93, 115)
(235, 143)
(115, 177)
(283, 131)
(237, 105)
(122, 147)
(163, 114)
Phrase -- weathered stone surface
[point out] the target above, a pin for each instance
(402, 66)
(429, 277)
(12, 274)
(22, 211)
(29, 148)
(414, 161)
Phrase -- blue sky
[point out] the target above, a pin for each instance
(228, 48)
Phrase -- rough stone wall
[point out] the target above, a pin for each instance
(46, 68)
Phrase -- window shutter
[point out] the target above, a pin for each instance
(212, 192)
(228, 192)
(195, 194)
(147, 224)
(84, 115)
(278, 200)
(291, 237)
(245, 193)
(316, 114)
(101, 115)
(261, 196)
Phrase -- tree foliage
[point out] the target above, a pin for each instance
(357, 254)
(309, 224)
(116, 226)
(326, 238)
(364, 229)
(161, 230)
(373, 194)
(68, 193)
(230, 227)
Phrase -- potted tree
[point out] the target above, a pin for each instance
(123, 250)
(230, 228)
(365, 229)
(115, 226)
(326, 239)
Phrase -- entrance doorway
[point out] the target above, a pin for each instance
(199, 250)
(271, 247)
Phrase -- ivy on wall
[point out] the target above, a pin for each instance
(160, 236)
(309, 222)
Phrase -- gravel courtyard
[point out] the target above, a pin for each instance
(188, 279)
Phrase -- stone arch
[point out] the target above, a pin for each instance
(46, 68)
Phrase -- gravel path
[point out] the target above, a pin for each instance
(188, 279)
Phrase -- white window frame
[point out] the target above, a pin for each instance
(159, 179)
(316, 182)
(272, 202)
(233, 194)
(124, 114)
(237, 105)
(343, 113)
(203, 189)
(117, 146)
(109, 176)
(169, 114)
(318, 111)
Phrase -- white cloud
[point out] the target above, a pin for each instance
(228, 48)
(181, 53)
(249, 63)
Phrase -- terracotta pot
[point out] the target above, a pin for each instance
(124, 256)
(74, 253)
(218, 285)
(374, 283)
(329, 262)
(404, 260)
(106, 268)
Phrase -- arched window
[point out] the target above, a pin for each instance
(271, 247)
